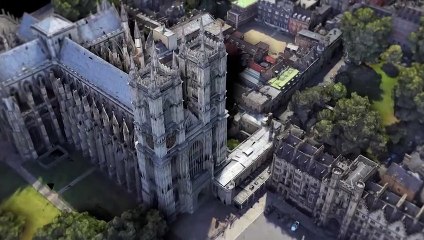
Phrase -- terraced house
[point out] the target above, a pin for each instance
(341, 194)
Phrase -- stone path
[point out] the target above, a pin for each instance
(42, 188)
(77, 180)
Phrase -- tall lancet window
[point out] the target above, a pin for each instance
(195, 158)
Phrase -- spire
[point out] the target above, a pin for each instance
(174, 60)
(125, 131)
(154, 55)
(183, 41)
(98, 9)
(202, 35)
(149, 40)
(221, 34)
(105, 5)
(124, 15)
(137, 34)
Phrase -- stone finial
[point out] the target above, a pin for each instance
(125, 131)
(124, 15)
(174, 60)
(137, 34)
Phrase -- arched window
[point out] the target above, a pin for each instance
(195, 158)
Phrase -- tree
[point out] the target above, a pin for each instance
(191, 4)
(417, 43)
(136, 224)
(305, 105)
(392, 55)
(71, 226)
(76, 9)
(351, 128)
(11, 225)
(365, 34)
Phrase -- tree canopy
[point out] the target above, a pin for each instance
(352, 128)
(392, 55)
(347, 125)
(306, 104)
(136, 224)
(417, 43)
(71, 226)
(365, 34)
(76, 9)
(11, 225)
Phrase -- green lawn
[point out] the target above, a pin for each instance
(244, 3)
(386, 105)
(61, 174)
(100, 196)
(18, 197)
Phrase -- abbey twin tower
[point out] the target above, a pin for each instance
(150, 112)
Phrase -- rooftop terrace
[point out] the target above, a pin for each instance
(244, 3)
(280, 81)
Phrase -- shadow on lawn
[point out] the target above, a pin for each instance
(362, 80)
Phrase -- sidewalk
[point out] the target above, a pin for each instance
(240, 224)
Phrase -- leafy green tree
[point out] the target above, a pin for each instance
(305, 105)
(417, 43)
(76, 9)
(409, 94)
(136, 224)
(71, 226)
(11, 225)
(392, 55)
(352, 128)
(191, 4)
(365, 34)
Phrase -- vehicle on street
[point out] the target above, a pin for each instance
(294, 226)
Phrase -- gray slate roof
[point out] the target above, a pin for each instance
(52, 25)
(96, 26)
(22, 58)
(409, 181)
(24, 31)
(111, 80)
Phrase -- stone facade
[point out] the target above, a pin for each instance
(239, 14)
(276, 14)
(68, 85)
(340, 193)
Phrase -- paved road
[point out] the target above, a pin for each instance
(277, 224)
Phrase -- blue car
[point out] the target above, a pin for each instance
(294, 226)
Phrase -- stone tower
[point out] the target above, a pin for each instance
(180, 120)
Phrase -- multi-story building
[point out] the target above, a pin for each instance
(402, 182)
(241, 12)
(153, 121)
(340, 193)
(275, 13)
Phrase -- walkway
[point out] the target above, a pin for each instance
(77, 180)
(243, 222)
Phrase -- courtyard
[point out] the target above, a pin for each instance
(255, 32)
(83, 187)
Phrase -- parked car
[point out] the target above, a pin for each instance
(294, 226)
